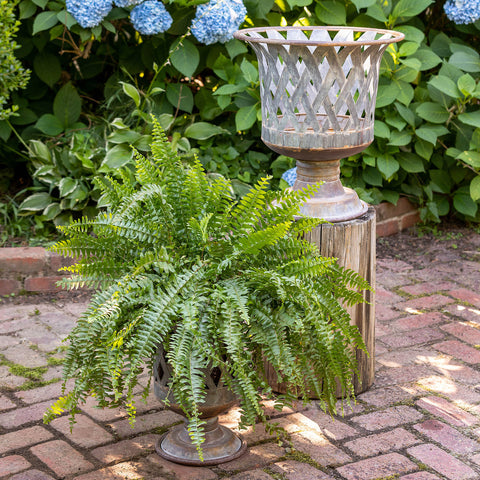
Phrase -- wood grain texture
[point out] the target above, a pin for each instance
(353, 243)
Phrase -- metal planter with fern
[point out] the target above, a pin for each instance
(178, 262)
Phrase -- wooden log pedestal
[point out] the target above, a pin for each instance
(353, 243)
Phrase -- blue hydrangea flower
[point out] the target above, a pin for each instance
(462, 12)
(89, 13)
(217, 20)
(150, 17)
(127, 3)
(290, 176)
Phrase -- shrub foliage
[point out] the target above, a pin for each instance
(207, 99)
(12, 74)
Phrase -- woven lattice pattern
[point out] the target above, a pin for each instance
(318, 96)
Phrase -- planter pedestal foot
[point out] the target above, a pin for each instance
(221, 445)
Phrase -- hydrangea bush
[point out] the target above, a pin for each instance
(151, 17)
(89, 13)
(206, 96)
(217, 20)
(463, 11)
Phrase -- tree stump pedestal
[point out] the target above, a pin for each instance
(353, 243)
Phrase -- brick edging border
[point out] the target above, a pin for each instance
(33, 269)
(29, 270)
(393, 219)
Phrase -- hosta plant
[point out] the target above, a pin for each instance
(177, 262)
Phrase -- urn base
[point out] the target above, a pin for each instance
(221, 445)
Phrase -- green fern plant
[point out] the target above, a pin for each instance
(177, 262)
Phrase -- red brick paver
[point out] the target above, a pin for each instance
(256, 457)
(181, 472)
(319, 448)
(464, 331)
(459, 350)
(32, 475)
(123, 429)
(86, 432)
(23, 438)
(61, 457)
(424, 303)
(391, 417)
(22, 416)
(293, 470)
(473, 298)
(12, 464)
(448, 437)
(371, 445)
(377, 467)
(125, 449)
(442, 462)
(427, 288)
(450, 413)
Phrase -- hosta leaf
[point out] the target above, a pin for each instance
(36, 202)
(203, 130)
(67, 185)
(132, 92)
(117, 157)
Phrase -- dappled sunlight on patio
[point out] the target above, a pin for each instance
(471, 310)
(413, 311)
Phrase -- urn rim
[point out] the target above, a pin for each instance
(243, 36)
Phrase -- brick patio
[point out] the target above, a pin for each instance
(420, 420)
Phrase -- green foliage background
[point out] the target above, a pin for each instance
(92, 91)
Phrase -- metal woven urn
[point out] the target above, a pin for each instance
(318, 88)
(221, 444)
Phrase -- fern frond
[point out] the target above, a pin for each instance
(252, 243)
(250, 208)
